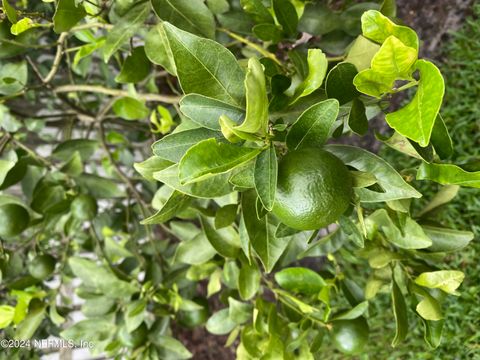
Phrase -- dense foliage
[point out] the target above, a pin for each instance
(226, 91)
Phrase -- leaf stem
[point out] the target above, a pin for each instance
(252, 45)
(167, 99)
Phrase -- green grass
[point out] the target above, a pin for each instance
(461, 111)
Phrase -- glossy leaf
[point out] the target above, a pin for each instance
(125, 28)
(416, 120)
(441, 140)
(400, 313)
(210, 157)
(357, 118)
(361, 53)
(10, 11)
(378, 28)
(443, 196)
(189, 15)
(173, 346)
(300, 280)
(158, 50)
(206, 111)
(394, 58)
(286, 15)
(129, 108)
(174, 146)
(238, 311)
(148, 167)
(448, 174)
(256, 119)
(205, 67)
(446, 280)
(261, 233)
(372, 83)
(212, 187)
(314, 125)
(318, 19)
(392, 184)
(353, 313)
(317, 69)
(220, 323)
(225, 241)
(195, 251)
(447, 240)
(265, 177)
(248, 281)
(176, 203)
(135, 68)
(339, 84)
(67, 14)
(257, 10)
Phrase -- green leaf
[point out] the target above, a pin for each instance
(205, 67)
(225, 216)
(261, 233)
(30, 324)
(392, 184)
(339, 84)
(429, 308)
(189, 15)
(318, 19)
(212, 187)
(265, 177)
(126, 27)
(174, 146)
(416, 120)
(210, 157)
(286, 15)
(433, 332)
(400, 313)
(441, 140)
(443, 196)
(411, 236)
(394, 59)
(268, 32)
(98, 187)
(22, 26)
(206, 111)
(9, 11)
(248, 281)
(6, 315)
(257, 10)
(313, 126)
(148, 167)
(256, 119)
(85, 148)
(361, 53)
(13, 78)
(351, 230)
(378, 28)
(173, 346)
(5, 167)
(100, 278)
(135, 68)
(300, 280)
(448, 174)
(372, 83)
(176, 203)
(238, 311)
(317, 69)
(67, 14)
(129, 108)
(357, 118)
(447, 240)
(353, 313)
(446, 280)
(195, 251)
(220, 323)
(158, 50)
(90, 330)
(225, 241)
(389, 8)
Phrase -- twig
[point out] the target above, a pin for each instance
(57, 59)
(116, 92)
(91, 25)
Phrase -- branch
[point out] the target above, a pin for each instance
(57, 59)
(167, 99)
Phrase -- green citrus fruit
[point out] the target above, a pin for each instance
(84, 207)
(42, 266)
(350, 336)
(314, 188)
(13, 219)
(191, 319)
(134, 339)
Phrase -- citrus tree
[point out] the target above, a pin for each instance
(257, 214)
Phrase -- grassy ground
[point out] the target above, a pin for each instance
(461, 110)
